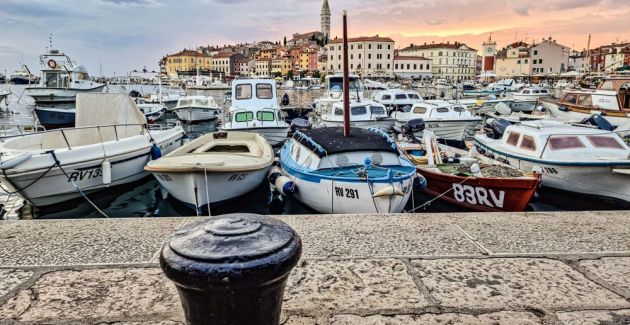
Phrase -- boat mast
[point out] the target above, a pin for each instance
(587, 67)
(346, 79)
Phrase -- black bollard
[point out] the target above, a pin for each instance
(232, 269)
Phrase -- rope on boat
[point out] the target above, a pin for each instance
(32, 183)
(58, 164)
(437, 197)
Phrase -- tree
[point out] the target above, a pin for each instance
(316, 74)
(289, 74)
(277, 74)
(285, 41)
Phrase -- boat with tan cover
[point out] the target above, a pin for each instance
(214, 167)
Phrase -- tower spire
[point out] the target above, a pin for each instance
(325, 19)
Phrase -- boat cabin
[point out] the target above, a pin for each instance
(321, 149)
(558, 141)
(334, 86)
(433, 110)
(397, 98)
(252, 94)
(197, 101)
(359, 111)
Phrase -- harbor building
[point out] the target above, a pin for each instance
(577, 61)
(513, 61)
(413, 67)
(226, 62)
(451, 61)
(367, 56)
(549, 57)
(186, 62)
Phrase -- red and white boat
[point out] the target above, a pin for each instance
(472, 181)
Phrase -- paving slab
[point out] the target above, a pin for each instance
(10, 279)
(614, 270)
(595, 317)
(513, 283)
(539, 233)
(90, 295)
(163, 322)
(342, 286)
(505, 317)
(375, 236)
(93, 241)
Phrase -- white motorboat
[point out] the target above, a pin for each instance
(214, 167)
(362, 173)
(504, 85)
(194, 109)
(441, 84)
(397, 99)
(168, 100)
(334, 92)
(374, 85)
(571, 158)
(611, 100)
(255, 109)
(446, 120)
(531, 94)
(61, 80)
(152, 112)
(363, 114)
(102, 150)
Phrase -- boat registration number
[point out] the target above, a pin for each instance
(84, 174)
(478, 196)
(346, 192)
(433, 125)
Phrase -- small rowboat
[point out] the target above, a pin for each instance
(472, 181)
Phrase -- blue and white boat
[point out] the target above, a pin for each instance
(331, 173)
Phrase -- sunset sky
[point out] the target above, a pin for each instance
(129, 34)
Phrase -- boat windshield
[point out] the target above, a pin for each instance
(55, 80)
(244, 117)
(336, 84)
(265, 116)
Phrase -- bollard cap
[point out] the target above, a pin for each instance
(229, 251)
(235, 237)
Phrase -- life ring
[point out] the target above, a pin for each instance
(52, 64)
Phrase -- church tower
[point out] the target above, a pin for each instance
(326, 19)
(489, 55)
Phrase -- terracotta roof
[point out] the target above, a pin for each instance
(408, 58)
(364, 39)
(223, 55)
(455, 45)
(187, 53)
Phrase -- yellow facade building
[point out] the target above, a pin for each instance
(186, 61)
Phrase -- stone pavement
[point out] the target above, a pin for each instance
(527, 268)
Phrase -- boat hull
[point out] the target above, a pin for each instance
(21, 81)
(52, 186)
(555, 110)
(584, 178)
(52, 118)
(196, 114)
(57, 95)
(190, 188)
(481, 194)
(453, 130)
(274, 135)
(384, 125)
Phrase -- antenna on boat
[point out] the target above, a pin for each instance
(346, 79)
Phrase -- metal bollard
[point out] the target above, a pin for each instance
(232, 269)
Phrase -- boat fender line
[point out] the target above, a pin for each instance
(156, 152)
(285, 186)
(389, 191)
(58, 164)
(274, 173)
(106, 171)
(15, 161)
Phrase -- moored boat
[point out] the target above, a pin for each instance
(531, 93)
(363, 114)
(214, 167)
(102, 150)
(195, 109)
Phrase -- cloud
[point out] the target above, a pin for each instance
(522, 10)
(573, 4)
(433, 22)
(134, 3)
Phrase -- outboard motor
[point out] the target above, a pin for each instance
(413, 126)
(300, 124)
(285, 100)
(599, 121)
(135, 94)
(497, 128)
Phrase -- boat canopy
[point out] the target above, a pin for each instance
(329, 141)
(106, 109)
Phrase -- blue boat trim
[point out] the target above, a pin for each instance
(315, 176)
(551, 162)
(309, 139)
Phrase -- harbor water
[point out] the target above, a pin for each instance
(145, 198)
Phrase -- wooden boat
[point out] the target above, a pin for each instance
(493, 187)
(214, 167)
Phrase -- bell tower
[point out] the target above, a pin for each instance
(489, 54)
(325, 16)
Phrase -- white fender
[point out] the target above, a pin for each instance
(285, 186)
(106, 169)
(14, 162)
(274, 173)
(389, 191)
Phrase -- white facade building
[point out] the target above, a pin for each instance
(414, 67)
(367, 56)
(451, 61)
(549, 57)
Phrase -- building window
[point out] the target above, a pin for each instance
(369, 65)
(518, 62)
(535, 52)
(388, 66)
(415, 67)
(359, 56)
(396, 66)
(369, 46)
(388, 56)
(389, 46)
(540, 61)
(408, 66)
(369, 56)
(440, 54)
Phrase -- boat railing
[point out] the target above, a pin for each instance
(120, 131)
(20, 129)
